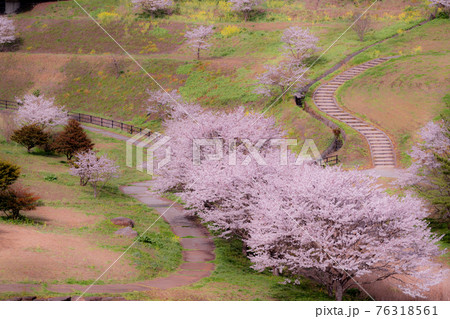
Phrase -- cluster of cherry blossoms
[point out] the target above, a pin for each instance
(428, 173)
(326, 224)
(94, 170)
(197, 38)
(289, 74)
(40, 115)
(7, 31)
(153, 6)
(245, 7)
(41, 111)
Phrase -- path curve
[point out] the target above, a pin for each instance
(197, 243)
(381, 147)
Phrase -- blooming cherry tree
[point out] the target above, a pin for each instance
(244, 6)
(225, 128)
(217, 187)
(198, 38)
(93, 170)
(40, 111)
(299, 44)
(441, 3)
(336, 227)
(7, 31)
(285, 76)
(153, 6)
(170, 105)
(428, 173)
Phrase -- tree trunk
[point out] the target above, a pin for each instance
(198, 53)
(330, 291)
(244, 249)
(95, 190)
(275, 272)
(339, 292)
(317, 4)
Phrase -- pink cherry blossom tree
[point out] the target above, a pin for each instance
(282, 78)
(41, 111)
(245, 7)
(428, 174)
(225, 194)
(445, 4)
(216, 188)
(170, 105)
(94, 170)
(7, 31)
(337, 227)
(225, 128)
(154, 6)
(197, 39)
(299, 44)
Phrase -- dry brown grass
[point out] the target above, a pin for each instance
(7, 124)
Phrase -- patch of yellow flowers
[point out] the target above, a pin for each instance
(230, 30)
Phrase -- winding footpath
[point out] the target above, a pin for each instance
(198, 246)
(381, 147)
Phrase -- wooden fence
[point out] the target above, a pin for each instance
(131, 129)
(330, 160)
(86, 118)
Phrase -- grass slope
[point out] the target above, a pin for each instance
(48, 176)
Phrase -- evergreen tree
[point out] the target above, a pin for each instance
(72, 140)
(30, 136)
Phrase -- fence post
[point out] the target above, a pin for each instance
(101, 121)
(121, 126)
(112, 123)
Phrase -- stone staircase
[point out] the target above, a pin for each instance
(381, 147)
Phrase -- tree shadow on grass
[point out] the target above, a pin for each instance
(13, 46)
(23, 220)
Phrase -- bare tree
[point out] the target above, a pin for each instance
(362, 25)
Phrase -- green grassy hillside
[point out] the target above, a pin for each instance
(88, 72)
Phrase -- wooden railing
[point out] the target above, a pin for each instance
(329, 161)
(86, 118)
(131, 129)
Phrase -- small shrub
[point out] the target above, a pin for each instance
(50, 177)
(16, 199)
(9, 173)
(31, 136)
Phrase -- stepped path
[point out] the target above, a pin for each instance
(198, 247)
(381, 147)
